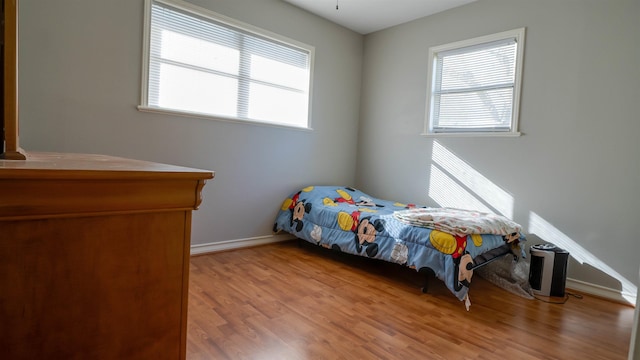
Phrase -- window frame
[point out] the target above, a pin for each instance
(200, 12)
(459, 46)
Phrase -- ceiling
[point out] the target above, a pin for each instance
(366, 16)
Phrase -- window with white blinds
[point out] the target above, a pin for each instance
(201, 63)
(475, 85)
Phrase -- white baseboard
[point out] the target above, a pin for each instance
(200, 249)
(584, 287)
(601, 291)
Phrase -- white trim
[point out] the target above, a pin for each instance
(519, 36)
(473, 134)
(146, 40)
(214, 16)
(193, 114)
(572, 284)
(634, 346)
(601, 291)
(200, 249)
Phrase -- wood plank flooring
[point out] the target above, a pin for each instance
(285, 301)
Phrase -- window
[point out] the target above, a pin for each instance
(474, 86)
(200, 63)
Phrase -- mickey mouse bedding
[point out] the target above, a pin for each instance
(444, 240)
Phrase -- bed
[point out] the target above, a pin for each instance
(449, 243)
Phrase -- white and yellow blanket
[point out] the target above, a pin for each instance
(460, 222)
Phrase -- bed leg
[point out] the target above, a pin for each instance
(427, 273)
(425, 287)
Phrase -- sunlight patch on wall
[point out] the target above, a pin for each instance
(454, 183)
(549, 233)
(448, 193)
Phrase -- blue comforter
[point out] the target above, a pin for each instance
(348, 220)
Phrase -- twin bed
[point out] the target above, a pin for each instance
(449, 243)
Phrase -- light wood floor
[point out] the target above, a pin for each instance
(283, 301)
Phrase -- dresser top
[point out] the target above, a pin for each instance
(90, 166)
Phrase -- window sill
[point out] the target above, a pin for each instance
(473, 134)
(218, 118)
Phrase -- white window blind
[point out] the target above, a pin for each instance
(475, 85)
(203, 63)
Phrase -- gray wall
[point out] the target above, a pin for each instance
(573, 178)
(80, 75)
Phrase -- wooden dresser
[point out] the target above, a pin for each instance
(94, 257)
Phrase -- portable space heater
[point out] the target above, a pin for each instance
(548, 270)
